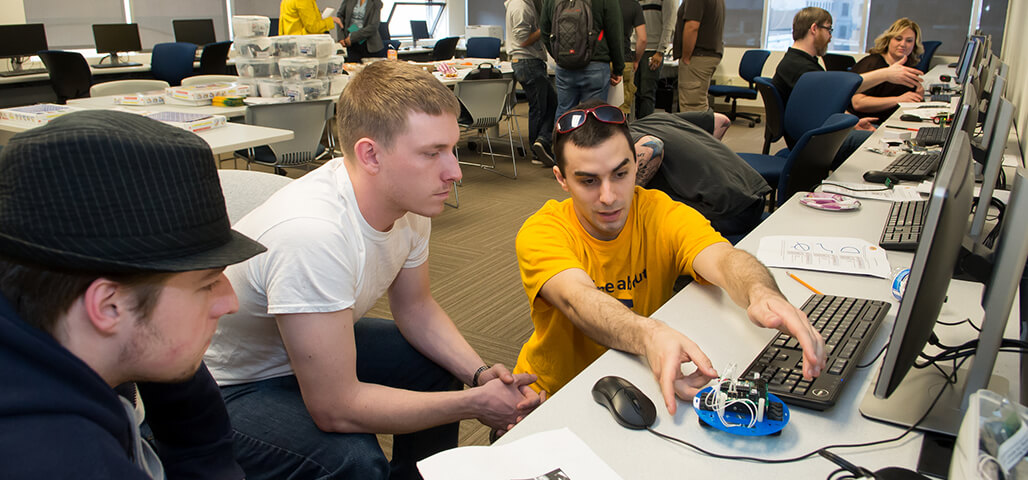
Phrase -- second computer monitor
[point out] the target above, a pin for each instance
(196, 31)
(114, 38)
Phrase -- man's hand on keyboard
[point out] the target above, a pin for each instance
(772, 310)
(666, 349)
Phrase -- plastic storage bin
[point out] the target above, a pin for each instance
(254, 47)
(271, 87)
(251, 25)
(285, 45)
(316, 46)
(331, 66)
(298, 91)
(298, 68)
(256, 67)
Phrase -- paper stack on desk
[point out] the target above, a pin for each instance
(38, 114)
(552, 455)
(826, 254)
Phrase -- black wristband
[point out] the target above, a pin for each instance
(474, 379)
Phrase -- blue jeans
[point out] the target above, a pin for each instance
(577, 86)
(542, 98)
(275, 437)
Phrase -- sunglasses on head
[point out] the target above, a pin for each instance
(575, 118)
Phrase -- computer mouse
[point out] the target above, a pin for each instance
(880, 176)
(906, 117)
(629, 406)
(897, 473)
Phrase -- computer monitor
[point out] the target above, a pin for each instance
(18, 42)
(1004, 118)
(419, 30)
(991, 112)
(903, 394)
(966, 61)
(196, 31)
(112, 38)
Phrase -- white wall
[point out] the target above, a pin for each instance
(1015, 54)
(12, 11)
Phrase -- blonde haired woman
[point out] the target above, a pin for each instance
(901, 43)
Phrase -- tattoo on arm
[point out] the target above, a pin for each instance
(648, 158)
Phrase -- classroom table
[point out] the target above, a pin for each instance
(709, 317)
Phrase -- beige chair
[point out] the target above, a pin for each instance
(126, 87)
(205, 79)
(245, 190)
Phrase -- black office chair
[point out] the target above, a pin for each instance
(926, 57)
(774, 112)
(69, 74)
(835, 62)
(214, 57)
(444, 49)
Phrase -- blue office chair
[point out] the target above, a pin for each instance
(750, 67)
(172, 61)
(483, 47)
(930, 47)
(213, 60)
(774, 111)
(810, 125)
(70, 75)
(837, 62)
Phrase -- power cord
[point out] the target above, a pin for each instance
(858, 189)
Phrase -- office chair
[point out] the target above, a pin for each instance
(483, 47)
(126, 87)
(810, 125)
(213, 60)
(307, 121)
(245, 190)
(172, 61)
(930, 47)
(835, 62)
(749, 67)
(484, 103)
(444, 49)
(70, 75)
(774, 111)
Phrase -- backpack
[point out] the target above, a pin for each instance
(573, 38)
(484, 71)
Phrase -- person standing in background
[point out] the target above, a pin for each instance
(358, 30)
(699, 44)
(660, 21)
(303, 17)
(632, 14)
(528, 59)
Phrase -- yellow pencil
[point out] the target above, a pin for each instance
(805, 284)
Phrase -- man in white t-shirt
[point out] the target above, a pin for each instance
(308, 380)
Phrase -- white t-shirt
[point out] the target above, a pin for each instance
(322, 257)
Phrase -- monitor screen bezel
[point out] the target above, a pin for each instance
(21, 31)
(193, 25)
(120, 39)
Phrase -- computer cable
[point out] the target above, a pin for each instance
(955, 324)
(873, 360)
(849, 467)
(882, 189)
(848, 476)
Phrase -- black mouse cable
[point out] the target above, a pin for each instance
(857, 189)
(897, 438)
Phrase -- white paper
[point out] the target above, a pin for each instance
(556, 454)
(616, 94)
(898, 193)
(328, 12)
(926, 114)
(827, 254)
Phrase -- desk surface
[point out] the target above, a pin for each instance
(708, 316)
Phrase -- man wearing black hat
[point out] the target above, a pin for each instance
(307, 379)
(113, 239)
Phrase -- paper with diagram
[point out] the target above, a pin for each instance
(827, 254)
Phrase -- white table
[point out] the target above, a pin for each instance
(708, 316)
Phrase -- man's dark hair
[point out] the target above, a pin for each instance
(41, 295)
(590, 134)
(807, 17)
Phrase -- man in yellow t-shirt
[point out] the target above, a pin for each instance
(303, 17)
(595, 266)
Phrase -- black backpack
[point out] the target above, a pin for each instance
(484, 71)
(573, 38)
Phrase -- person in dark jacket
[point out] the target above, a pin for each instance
(113, 239)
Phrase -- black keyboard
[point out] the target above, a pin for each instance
(848, 326)
(24, 71)
(903, 227)
(914, 166)
(940, 97)
(930, 136)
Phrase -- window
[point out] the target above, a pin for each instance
(154, 18)
(847, 20)
(946, 23)
(399, 15)
(743, 19)
(70, 24)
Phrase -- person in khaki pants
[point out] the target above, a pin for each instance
(699, 44)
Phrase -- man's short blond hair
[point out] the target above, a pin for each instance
(805, 18)
(377, 101)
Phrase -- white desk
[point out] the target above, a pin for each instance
(107, 102)
(708, 316)
(36, 77)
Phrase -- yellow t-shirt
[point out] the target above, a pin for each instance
(302, 17)
(658, 243)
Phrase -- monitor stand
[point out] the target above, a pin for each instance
(915, 394)
(115, 63)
